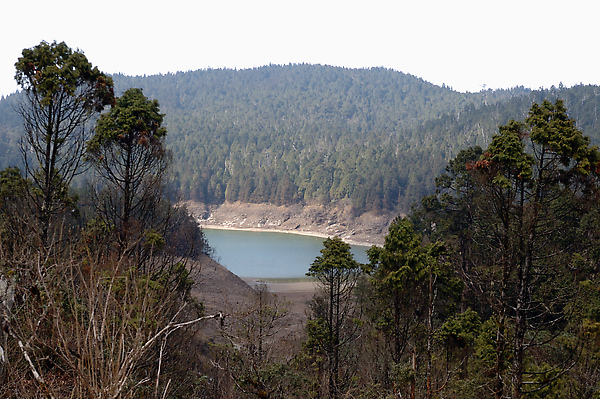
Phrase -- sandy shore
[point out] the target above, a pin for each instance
(285, 287)
(262, 230)
(297, 296)
(311, 220)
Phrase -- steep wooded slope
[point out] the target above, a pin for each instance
(320, 134)
(300, 133)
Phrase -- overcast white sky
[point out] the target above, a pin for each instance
(465, 44)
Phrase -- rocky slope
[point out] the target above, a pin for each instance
(223, 292)
(318, 220)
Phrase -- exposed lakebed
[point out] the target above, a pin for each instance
(268, 255)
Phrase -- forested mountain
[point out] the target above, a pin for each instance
(311, 133)
(491, 288)
(10, 132)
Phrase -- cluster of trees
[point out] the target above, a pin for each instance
(522, 217)
(310, 133)
(294, 134)
(95, 287)
(488, 289)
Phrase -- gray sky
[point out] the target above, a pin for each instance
(465, 44)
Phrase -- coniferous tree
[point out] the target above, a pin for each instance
(62, 92)
(331, 328)
(79, 317)
(413, 291)
(128, 153)
(525, 207)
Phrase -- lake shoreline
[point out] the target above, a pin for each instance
(307, 286)
(321, 221)
(272, 230)
(269, 256)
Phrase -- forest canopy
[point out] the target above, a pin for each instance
(488, 288)
(319, 134)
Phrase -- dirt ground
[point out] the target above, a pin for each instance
(222, 291)
(317, 220)
(296, 295)
(218, 288)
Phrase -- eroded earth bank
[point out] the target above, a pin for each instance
(317, 220)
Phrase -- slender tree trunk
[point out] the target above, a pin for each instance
(524, 282)
(499, 367)
(430, 311)
(520, 317)
(413, 380)
(501, 332)
(127, 196)
(331, 344)
(47, 183)
(336, 342)
(520, 327)
(397, 351)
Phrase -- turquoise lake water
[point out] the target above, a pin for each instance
(268, 254)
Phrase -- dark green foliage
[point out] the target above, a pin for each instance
(62, 91)
(134, 120)
(413, 290)
(14, 222)
(298, 133)
(489, 288)
(51, 71)
(12, 186)
(519, 219)
(183, 235)
(81, 316)
(331, 328)
(304, 133)
(128, 154)
(335, 260)
(461, 330)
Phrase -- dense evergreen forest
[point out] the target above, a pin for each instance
(311, 133)
(488, 288)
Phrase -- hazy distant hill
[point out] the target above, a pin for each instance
(10, 133)
(308, 133)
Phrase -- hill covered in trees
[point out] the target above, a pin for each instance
(491, 288)
(320, 134)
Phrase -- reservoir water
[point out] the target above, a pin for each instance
(268, 254)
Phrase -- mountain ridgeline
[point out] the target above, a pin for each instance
(291, 134)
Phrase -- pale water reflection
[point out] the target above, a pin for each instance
(268, 254)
